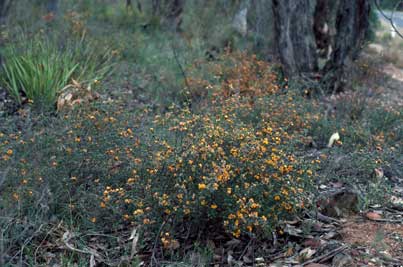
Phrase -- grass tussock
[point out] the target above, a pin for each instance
(40, 67)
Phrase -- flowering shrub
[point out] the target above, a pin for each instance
(233, 74)
(217, 167)
(232, 164)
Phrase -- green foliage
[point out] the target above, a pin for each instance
(38, 68)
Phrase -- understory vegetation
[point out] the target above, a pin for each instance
(122, 142)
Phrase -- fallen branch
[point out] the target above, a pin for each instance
(324, 218)
(326, 256)
(387, 220)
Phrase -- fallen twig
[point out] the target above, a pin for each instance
(324, 218)
(387, 220)
(326, 256)
(153, 258)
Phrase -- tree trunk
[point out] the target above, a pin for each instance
(293, 22)
(4, 7)
(347, 34)
(171, 10)
(174, 16)
(52, 6)
(320, 36)
(129, 5)
(156, 6)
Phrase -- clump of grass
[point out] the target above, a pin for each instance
(39, 68)
(39, 74)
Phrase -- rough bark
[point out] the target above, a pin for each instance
(170, 10)
(174, 16)
(320, 36)
(350, 28)
(294, 20)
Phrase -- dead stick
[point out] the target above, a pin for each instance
(325, 256)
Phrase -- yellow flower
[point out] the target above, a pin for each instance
(138, 212)
(213, 206)
(202, 186)
(93, 219)
(131, 180)
(16, 196)
(10, 152)
(276, 198)
(102, 205)
(236, 233)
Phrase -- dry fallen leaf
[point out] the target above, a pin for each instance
(135, 238)
(379, 173)
(373, 216)
(289, 252)
(307, 253)
(92, 261)
(313, 243)
(397, 201)
(335, 137)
